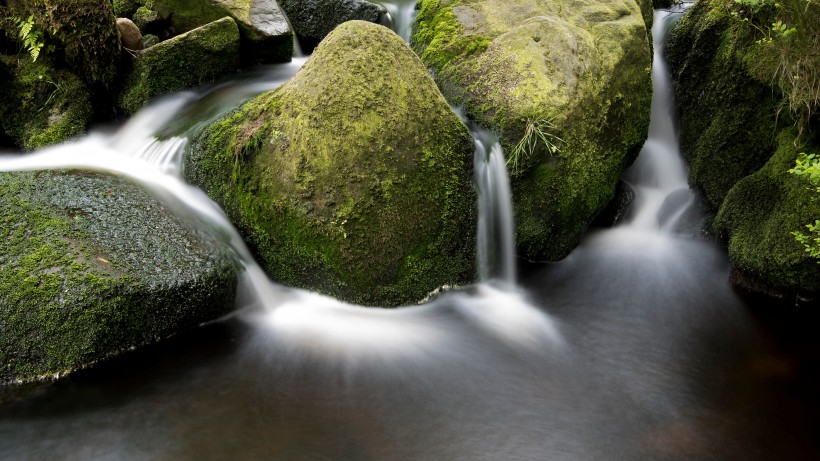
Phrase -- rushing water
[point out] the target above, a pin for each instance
(645, 354)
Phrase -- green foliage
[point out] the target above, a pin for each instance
(31, 37)
(536, 132)
(808, 167)
(788, 51)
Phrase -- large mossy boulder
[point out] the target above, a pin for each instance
(91, 265)
(574, 74)
(266, 34)
(41, 105)
(185, 61)
(727, 121)
(757, 217)
(312, 20)
(84, 36)
(353, 178)
(740, 147)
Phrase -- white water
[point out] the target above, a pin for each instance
(659, 175)
(312, 323)
(402, 13)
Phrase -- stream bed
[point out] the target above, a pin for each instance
(634, 347)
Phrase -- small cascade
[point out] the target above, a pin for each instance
(659, 175)
(400, 17)
(496, 234)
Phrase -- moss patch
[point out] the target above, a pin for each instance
(728, 123)
(185, 61)
(84, 33)
(759, 214)
(266, 35)
(91, 265)
(353, 179)
(42, 105)
(584, 69)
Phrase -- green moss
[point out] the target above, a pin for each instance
(44, 106)
(728, 122)
(584, 68)
(759, 214)
(205, 53)
(84, 274)
(353, 179)
(125, 8)
(266, 35)
(144, 16)
(84, 33)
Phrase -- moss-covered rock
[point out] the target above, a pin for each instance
(312, 20)
(758, 216)
(91, 265)
(578, 71)
(196, 57)
(42, 105)
(740, 149)
(266, 34)
(352, 179)
(83, 33)
(126, 8)
(728, 127)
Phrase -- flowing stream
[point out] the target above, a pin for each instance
(646, 353)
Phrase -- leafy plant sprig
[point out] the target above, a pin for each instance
(808, 167)
(537, 131)
(31, 37)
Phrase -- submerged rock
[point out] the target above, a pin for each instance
(41, 105)
(91, 265)
(353, 178)
(567, 87)
(196, 57)
(312, 20)
(266, 34)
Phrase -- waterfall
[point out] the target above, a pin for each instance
(496, 232)
(659, 175)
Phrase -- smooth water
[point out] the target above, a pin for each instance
(646, 353)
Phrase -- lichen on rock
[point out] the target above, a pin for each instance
(580, 72)
(91, 265)
(352, 179)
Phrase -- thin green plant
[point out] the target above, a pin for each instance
(536, 132)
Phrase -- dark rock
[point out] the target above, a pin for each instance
(91, 265)
(312, 20)
(618, 208)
